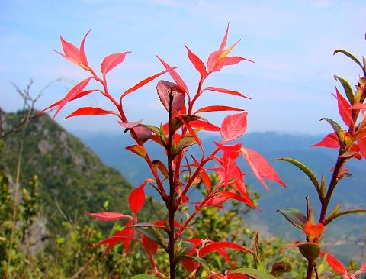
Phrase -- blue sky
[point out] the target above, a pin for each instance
(291, 42)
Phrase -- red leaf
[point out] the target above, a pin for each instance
(192, 133)
(175, 76)
(217, 108)
(112, 61)
(82, 50)
(204, 125)
(344, 109)
(164, 89)
(137, 197)
(143, 82)
(245, 198)
(109, 216)
(233, 126)
(215, 246)
(77, 96)
(189, 265)
(125, 235)
(203, 174)
(334, 263)
(225, 91)
(362, 146)
(226, 61)
(197, 63)
(260, 167)
(313, 231)
(330, 141)
(150, 246)
(89, 111)
(71, 94)
(359, 106)
(74, 54)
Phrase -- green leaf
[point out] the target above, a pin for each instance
(177, 122)
(153, 129)
(202, 262)
(254, 273)
(183, 143)
(350, 55)
(305, 169)
(280, 268)
(149, 232)
(143, 276)
(347, 89)
(337, 128)
(323, 188)
(339, 214)
(309, 250)
(294, 216)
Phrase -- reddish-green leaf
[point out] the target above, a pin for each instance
(143, 82)
(217, 108)
(344, 109)
(71, 94)
(159, 164)
(204, 125)
(260, 167)
(215, 246)
(138, 150)
(167, 89)
(233, 126)
(175, 76)
(225, 91)
(89, 111)
(112, 61)
(197, 63)
(330, 141)
(109, 216)
(244, 198)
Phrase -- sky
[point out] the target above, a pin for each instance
(291, 42)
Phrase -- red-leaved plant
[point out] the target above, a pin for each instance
(351, 143)
(175, 137)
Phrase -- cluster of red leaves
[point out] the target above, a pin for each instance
(175, 138)
(351, 141)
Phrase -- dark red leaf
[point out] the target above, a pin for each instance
(142, 133)
(164, 89)
(217, 108)
(129, 125)
(362, 146)
(109, 216)
(71, 94)
(215, 246)
(90, 111)
(225, 91)
(233, 126)
(175, 76)
(112, 61)
(330, 141)
(260, 167)
(197, 63)
(244, 198)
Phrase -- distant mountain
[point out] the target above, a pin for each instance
(72, 178)
(351, 191)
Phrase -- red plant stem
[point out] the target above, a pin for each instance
(186, 223)
(198, 93)
(171, 203)
(310, 269)
(192, 178)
